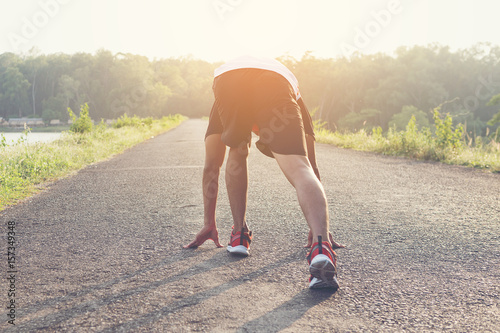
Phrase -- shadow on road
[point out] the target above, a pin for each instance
(288, 313)
(198, 298)
(94, 305)
(219, 259)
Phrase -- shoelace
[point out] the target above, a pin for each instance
(319, 246)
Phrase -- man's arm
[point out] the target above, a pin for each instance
(215, 150)
(309, 133)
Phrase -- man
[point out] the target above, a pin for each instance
(262, 95)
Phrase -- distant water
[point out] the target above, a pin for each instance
(32, 137)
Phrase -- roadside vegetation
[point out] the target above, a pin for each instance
(441, 142)
(25, 167)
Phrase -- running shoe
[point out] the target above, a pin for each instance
(239, 243)
(322, 266)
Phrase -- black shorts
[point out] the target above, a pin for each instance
(245, 98)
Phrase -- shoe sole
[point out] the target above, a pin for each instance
(320, 284)
(239, 250)
(322, 268)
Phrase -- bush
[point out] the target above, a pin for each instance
(447, 137)
(366, 119)
(445, 145)
(134, 121)
(83, 124)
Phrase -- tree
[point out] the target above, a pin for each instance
(32, 65)
(400, 120)
(157, 100)
(364, 89)
(55, 108)
(14, 92)
(495, 100)
(69, 88)
(367, 118)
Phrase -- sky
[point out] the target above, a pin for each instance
(218, 30)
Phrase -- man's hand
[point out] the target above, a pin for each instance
(335, 245)
(204, 234)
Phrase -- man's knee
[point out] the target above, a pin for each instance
(213, 164)
(296, 168)
(240, 152)
(211, 170)
(237, 161)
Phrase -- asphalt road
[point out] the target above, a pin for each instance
(101, 250)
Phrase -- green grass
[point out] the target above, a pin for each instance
(419, 144)
(24, 167)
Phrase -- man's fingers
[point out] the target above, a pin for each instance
(309, 239)
(335, 245)
(215, 237)
(200, 239)
(192, 244)
(197, 242)
(216, 241)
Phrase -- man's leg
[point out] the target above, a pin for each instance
(322, 259)
(237, 185)
(310, 192)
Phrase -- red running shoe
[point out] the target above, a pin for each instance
(240, 243)
(322, 266)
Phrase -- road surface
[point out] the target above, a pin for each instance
(101, 250)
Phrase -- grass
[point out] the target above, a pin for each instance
(440, 145)
(24, 167)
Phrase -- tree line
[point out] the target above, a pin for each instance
(44, 86)
(366, 91)
(362, 91)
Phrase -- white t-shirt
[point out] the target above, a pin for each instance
(261, 63)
